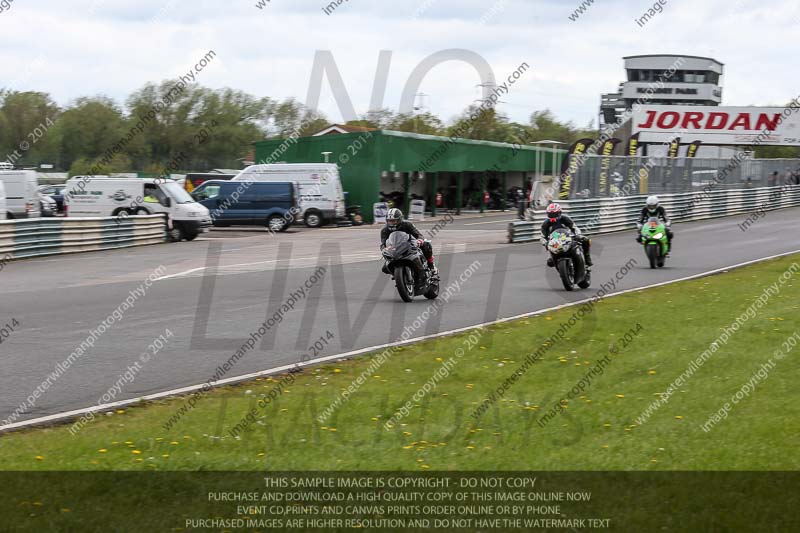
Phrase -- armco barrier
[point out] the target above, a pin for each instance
(522, 231)
(49, 236)
(604, 215)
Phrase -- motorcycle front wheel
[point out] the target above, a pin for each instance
(652, 254)
(404, 281)
(567, 275)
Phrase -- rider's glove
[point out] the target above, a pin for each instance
(638, 225)
(543, 241)
(420, 242)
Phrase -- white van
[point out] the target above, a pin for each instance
(22, 195)
(2, 201)
(321, 194)
(101, 196)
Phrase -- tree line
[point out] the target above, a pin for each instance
(204, 128)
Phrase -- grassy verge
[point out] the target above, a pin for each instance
(667, 329)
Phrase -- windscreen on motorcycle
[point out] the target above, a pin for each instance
(653, 224)
(560, 241)
(654, 229)
(398, 243)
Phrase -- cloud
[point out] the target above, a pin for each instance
(116, 47)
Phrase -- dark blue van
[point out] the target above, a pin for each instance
(241, 203)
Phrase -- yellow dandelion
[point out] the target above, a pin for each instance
(620, 395)
(651, 372)
(165, 455)
(678, 417)
(102, 450)
(40, 458)
(136, 452)
(337, 370)
(174, 443)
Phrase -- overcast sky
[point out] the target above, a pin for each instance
(112, 47)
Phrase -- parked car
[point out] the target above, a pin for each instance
(56, 192)
(320, 188)
(272, 204)
(47, 205)
(22, 199)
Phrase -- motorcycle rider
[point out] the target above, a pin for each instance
(395, 222)
(652, 209)
(557, 220)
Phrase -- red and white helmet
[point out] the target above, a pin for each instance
(553, 211)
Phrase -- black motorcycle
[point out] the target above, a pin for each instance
(567, 255)
(406, 263)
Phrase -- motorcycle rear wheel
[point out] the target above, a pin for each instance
(433, 291)
(587, 280)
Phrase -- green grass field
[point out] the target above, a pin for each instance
(669, 327)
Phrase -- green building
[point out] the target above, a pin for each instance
(403, 166)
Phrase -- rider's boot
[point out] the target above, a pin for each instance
(588, 256)
(432, 267)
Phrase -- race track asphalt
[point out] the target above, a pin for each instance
(216, 291)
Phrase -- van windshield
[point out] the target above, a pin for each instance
(177, 193)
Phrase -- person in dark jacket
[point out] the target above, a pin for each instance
(653, 209)
(557, 220)
(395, 222)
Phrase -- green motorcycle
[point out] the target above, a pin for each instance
(654, 240)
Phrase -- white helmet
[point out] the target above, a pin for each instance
(652, 203)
